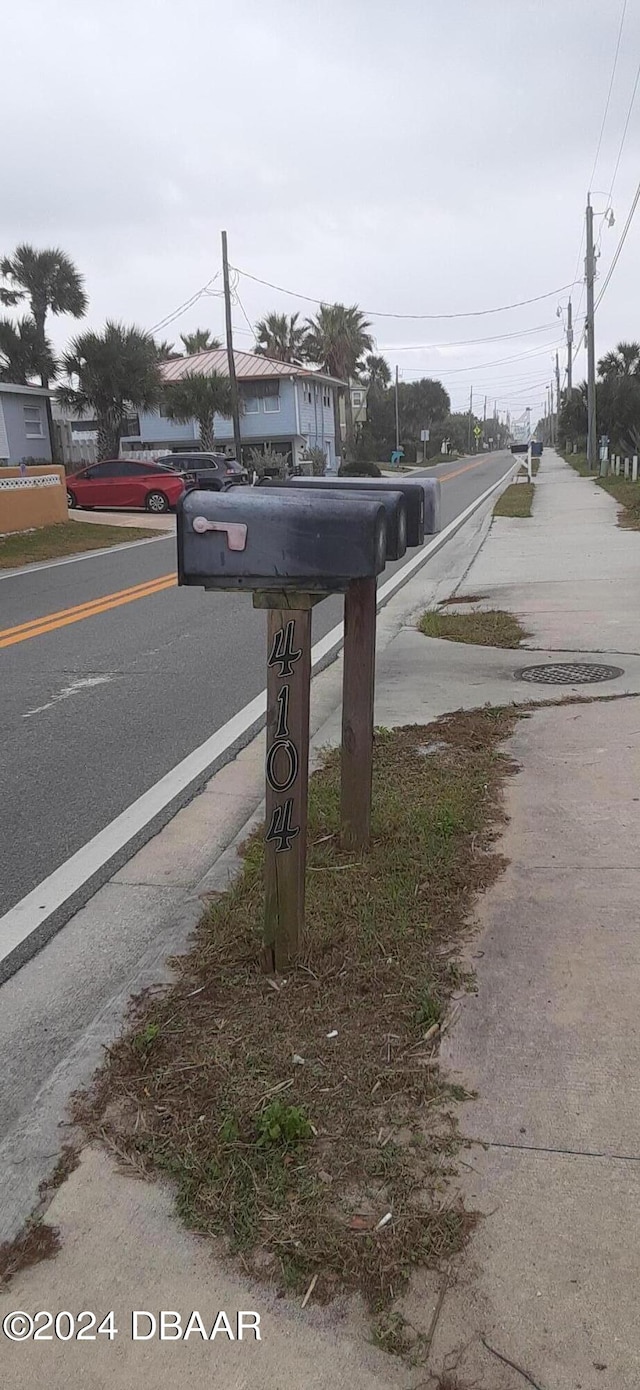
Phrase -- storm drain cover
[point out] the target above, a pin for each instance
(570, 673)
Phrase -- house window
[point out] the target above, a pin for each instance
(271, 394)
(356, 397)
(33, 422)
(251, 404)
(326, 396)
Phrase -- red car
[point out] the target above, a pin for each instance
(125, 483)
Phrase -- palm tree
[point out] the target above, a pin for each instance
(199, 398)
(166, 350)
(49, 281)
(337, 340)
(111, 373)
(21, 354)
(199, 341)
(280, 337)
(623, 361)
(376, 374)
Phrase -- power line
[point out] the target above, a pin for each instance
(462, 342)
(606, 109)
(619, 246)
(237, 300)
(481, 366)
(182, 308)
(604, 120)
(378, 314)
(626, 127)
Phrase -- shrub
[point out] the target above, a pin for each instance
(360, 470)
(316, 457)
(267, 462)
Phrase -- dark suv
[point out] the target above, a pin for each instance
(203, 470)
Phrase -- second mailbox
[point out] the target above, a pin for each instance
(395, 508)
(422, 498)
(267, 538)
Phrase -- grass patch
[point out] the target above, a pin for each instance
(64, 538)
(627, 494)
(516, 500)
(35, 1243)
(579, 462)
(483, 628)
(293, 1115)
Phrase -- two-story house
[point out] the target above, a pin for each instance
(284, 405)
(358, 391)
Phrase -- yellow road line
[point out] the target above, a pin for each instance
(458, 471)
(50, 622)
(81, 607)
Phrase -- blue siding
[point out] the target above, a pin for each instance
(316, 417)
(21, 445)
(154, 427)
(254, 424)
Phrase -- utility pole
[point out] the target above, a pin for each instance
(551, 419)
(569, 350)
(557, 395)
(235, 404)
(470, 415)
(397, 413)
(484, 423)
(590, 273)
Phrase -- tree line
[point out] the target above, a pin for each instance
(116, 372)
(617, 403)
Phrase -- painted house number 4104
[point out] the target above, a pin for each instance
(283, 758)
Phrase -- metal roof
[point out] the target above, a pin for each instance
(14, 390)
(249, 367)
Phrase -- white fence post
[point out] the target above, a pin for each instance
(634, 469)
(626, 468)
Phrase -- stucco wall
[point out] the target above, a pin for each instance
(26, 502)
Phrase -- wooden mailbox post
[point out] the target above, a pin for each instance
(266, 543)
(358, 691)
(286, 773)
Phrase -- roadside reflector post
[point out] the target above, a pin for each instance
(286, 773)
(358, 689)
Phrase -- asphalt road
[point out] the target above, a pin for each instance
(96, 711)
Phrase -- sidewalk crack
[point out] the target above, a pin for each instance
(550, 1149)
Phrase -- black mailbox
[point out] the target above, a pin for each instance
(270, 538)
(422, 499)
(394, 504)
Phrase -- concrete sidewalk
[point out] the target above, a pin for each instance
(151, 522)
(550, 1043)
(568, 571)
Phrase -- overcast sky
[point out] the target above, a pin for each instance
(423, 157)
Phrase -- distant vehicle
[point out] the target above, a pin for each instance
(208, 470)
(124, 483)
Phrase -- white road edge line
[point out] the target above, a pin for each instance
(37, 917)
(84, 555)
